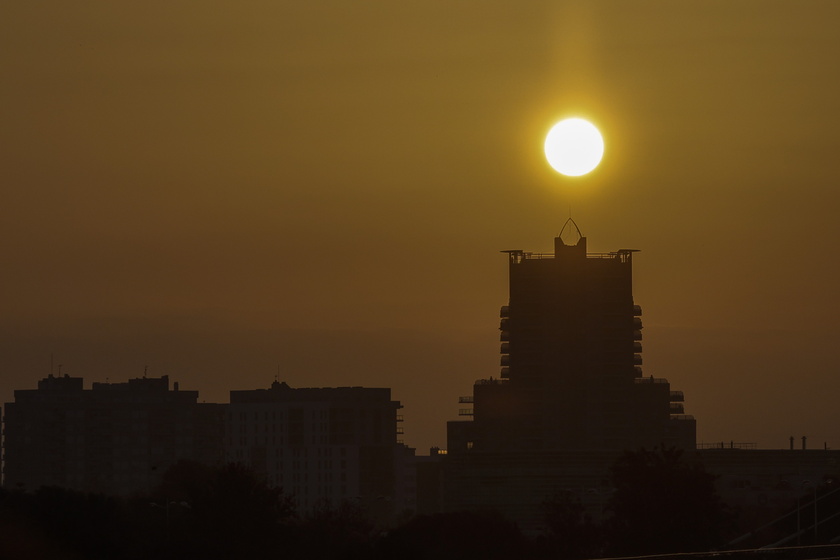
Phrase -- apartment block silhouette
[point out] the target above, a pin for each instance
(324, 445)
(114, 438)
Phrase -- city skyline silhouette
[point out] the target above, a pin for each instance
(222, 195)
(572, 436)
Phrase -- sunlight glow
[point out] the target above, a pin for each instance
(574, 147)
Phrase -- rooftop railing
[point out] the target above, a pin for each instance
(490, 381)
(526, 255)
(727, 445)
(650, 380)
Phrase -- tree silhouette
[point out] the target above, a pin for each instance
(222, 512)
(663, 503)
(454, 536)
(334, 532)
(54, 522)
(570, 532)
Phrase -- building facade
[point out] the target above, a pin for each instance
(115, 438)
(324, 446)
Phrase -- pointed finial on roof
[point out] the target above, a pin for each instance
(570, 233)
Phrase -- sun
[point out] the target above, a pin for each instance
(574, 147)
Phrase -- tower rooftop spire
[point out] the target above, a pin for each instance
(570, 233)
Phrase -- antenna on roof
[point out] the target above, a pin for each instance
(145, 369)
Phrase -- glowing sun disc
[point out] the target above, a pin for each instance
(574, 147)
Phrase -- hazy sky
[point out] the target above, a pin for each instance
(219, 190)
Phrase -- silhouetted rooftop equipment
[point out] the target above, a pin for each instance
(517, 255)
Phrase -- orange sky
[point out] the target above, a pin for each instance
(325, 187)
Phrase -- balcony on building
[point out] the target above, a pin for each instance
(468, 399)
(677, 396)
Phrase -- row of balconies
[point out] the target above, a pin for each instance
(677, 406)
(504, 324)
(504, 348)
(504, 337)
(614, 334)
(505, 311)
(504, 361)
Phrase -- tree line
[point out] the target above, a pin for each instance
(662, 502)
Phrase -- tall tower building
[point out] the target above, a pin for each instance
(571, 364)
(571, 379)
